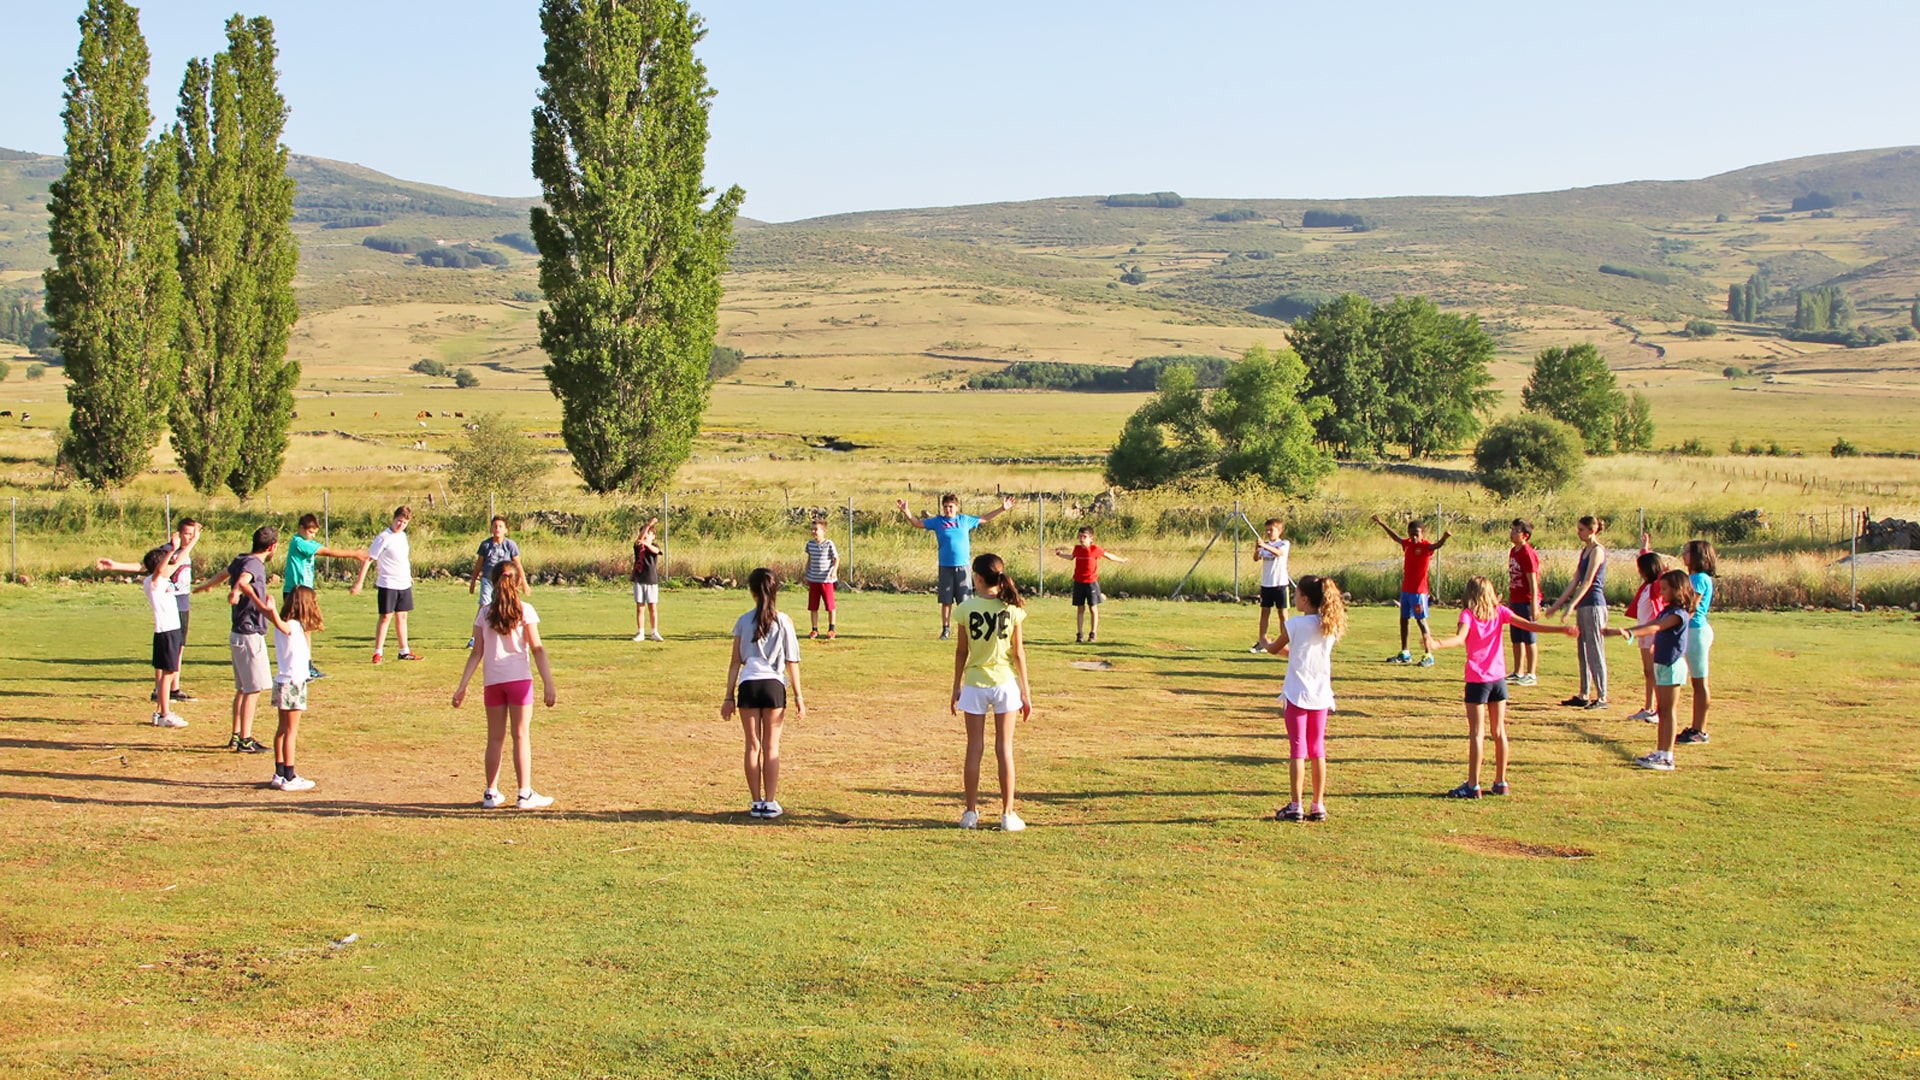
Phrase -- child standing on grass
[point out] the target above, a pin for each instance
(159, 565)
(1272, 552)
(1702, 563)
(646, 582)
(181, 584)
(1523, 596)
(990, 676)
(493, 551)
(293, 647)
(506, 648)
(302, 549)
(1306, 640)
(1482, 616)
(823, 572)
(1670, 632)
(1086, 556)
(1645, 608)
(766, 656)
(1589, 586)
(392, 553)
(1415, 583)
(247, 642)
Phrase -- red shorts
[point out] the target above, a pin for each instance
(519, 692)
(817, 592)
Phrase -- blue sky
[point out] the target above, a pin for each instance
(837, 106)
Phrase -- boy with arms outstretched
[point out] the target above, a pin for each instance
(1274, 582)
(1086, 556)
(1415, 587)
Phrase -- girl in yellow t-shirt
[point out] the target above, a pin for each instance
(990, 676)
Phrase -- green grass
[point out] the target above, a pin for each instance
(167, 916)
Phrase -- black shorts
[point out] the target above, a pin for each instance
(1273, 596)
(1086, 593)
(166, 649)
(761, 694)
(394, 601)
(1486, 693)
(1519, 636)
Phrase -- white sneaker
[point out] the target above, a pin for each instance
(656, 637)
(1010, 822)
(1258, 646)
(1648, 715)
(642, 636)
(533, 800)
(770, 809)
(168, 720)
(970, 820)
(1656, 761)
(298, 783)
(1526, 680)
(492, 800)
(278, 783)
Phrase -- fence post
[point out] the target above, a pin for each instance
(663, 535)
(1853, 566)
(848, 561)
(169, 531)
(1040, 549)
(13, 544)
(490, 511)
(1233, 523)
(326, 523)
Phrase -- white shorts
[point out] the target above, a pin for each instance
(646, 594)
(981, 700)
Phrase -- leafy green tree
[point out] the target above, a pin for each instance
(1345, 366)
(1635, 431)
(6, 369)
(1575, 386)
(1826, 307)
(465, 379)
(1527, 454)
(1843, 448)
(35, 371)
(630, 257)
(496, 459)
(113, 293)
(1436, 374)
(268, 250)
(1255, 427)
(1701, 328)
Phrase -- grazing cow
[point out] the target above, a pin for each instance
(422, 415)
(460, 415)
(6, 412)
(24, 417)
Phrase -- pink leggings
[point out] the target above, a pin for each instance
(1306, 732)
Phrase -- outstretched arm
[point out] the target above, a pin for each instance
(1444, 537)
(211, 582)
(118, 567)
(1543, 628)
(1111, 557)
(1664, 619)
(1389, 529)
(1454, 642)
(1006, 504)
(918, 522)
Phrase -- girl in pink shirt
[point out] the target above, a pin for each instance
(506, 649)
(1646, 606)
(1482, 617)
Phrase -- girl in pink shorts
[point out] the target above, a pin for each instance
(1482, 617)
(506, 647)
(1306, 640)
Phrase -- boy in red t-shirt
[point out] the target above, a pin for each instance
(1523, 596)
(1086, 556)
(1414, 584)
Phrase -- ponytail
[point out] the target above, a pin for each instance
(505, 614)
(1324, 594)
(993, 575)
(764, 584)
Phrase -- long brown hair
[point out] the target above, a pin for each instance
(764, 584)
(1324, 594)
(1680, 588)
(303, 606)
(993, 575)
(1700, 557)
(505, 613)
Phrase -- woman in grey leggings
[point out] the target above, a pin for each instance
(1589, 585)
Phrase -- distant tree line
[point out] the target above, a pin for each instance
(1641, 273)
(1334, 219)
(1209, 372)
(1161, 200)
(724, 361)
(21, 320)
(400, 245)
(460, 257)
(518, 241)
(1238, 213)
(1814, 200)
(1822, 308)
(357, 221)
(1289, 306)
(1746, 302)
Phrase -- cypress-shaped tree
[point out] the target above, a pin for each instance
(630, 257)
(210, 412)
(268, 256)
(113, 293)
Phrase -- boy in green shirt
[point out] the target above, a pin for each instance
(302, 550)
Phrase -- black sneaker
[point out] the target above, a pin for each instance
(1576, 701)
(233, 743)
(1465, 791)
(1290, 812)
(1591, 705)
(946, 633)
(249, 745)
(314, 673)
(1692, 735)
(1499, 787)
(178, 694)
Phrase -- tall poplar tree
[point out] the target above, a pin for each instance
(630, 255)
(113, 293)
(268, 256)
(210, 412)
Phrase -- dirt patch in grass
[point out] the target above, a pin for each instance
(1518, 849)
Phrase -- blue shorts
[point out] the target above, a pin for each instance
(1413, 605)
(1699, 645)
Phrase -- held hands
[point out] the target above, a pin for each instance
(103, 564)
(1574, 631)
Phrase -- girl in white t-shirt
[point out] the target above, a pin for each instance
(506, 649)
(293, 649)
(158, 566)
(1306, 640)
(766, 656)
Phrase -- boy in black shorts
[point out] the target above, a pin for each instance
(1086, 556)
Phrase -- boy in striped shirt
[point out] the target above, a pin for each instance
(823, 571)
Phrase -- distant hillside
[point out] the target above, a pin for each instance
(1653, 249)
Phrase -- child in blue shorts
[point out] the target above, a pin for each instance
(1414, 584)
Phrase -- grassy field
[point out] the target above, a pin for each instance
(1746, 915)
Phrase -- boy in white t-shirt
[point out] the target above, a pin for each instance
(392, 582)
(1274, 581)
